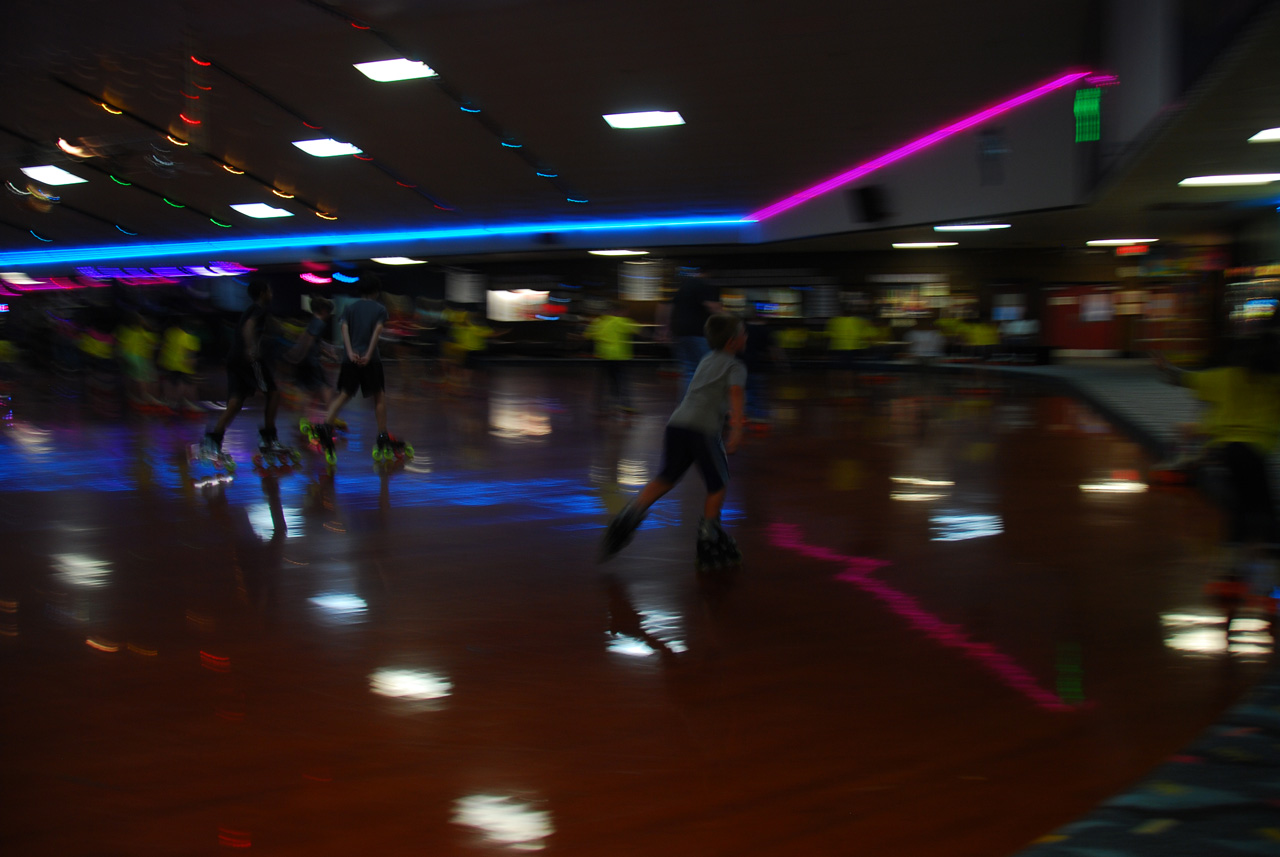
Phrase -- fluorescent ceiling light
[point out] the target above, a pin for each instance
(1119, 242)
(923, 245)
(397, 260)
(384, 71)
(261, 209)
(52, 175)
(1229, 181)
(618, 252)
(326, 148)
(1271, 135)
(644, 119)
(971, 227)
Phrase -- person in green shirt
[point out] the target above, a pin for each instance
(613, 332)
(1241, 427)
(136, 342)
(849, 336)
(178, 353)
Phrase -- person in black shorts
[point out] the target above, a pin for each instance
(247, 374)
(362, 323)
(307, 352)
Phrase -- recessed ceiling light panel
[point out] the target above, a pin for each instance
(52, 175)
(618, 252)
(923, 245)
(1231, 180)
(1270, 135)
(644, 119)
(261, 209)
(971, 227)
(397, 260)
(326, 148)
(385, 71)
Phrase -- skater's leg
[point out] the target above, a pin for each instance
(273, 405)
(380, 411)
(714, 503)
(233, 407)
(337, 405)
(651, 493)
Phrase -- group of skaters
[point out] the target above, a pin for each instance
(250, 373)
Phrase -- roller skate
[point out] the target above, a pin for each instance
(320, 438)
(272, 453)
(388, 450)
(716, 549)
(209, 451)
(620, 531)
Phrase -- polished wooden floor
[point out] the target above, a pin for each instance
(955, 630)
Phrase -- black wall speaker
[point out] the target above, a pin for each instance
(867, 204)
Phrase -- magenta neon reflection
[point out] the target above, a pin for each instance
(914, 146)
(858, 571)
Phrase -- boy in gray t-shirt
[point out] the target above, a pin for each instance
(361, 325)
(693, 436)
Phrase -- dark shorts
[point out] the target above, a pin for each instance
(244, 379)
(309, 376)
(682, 447)
(368, 379)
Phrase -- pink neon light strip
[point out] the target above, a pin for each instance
(915, 146)
(858, 571)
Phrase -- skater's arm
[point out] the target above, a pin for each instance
(346, 343)
(300, 348)
(250, 340)
(373, 344)
(737, 405)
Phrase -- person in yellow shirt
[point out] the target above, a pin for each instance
(849, 336)
(613, 333)
(1241, 428)
(469, 340)
(178, 361)
(136, 341)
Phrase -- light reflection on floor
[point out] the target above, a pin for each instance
(432, 655)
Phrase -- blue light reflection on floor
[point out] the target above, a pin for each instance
(33, 462)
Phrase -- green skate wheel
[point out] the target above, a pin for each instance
(408, 451)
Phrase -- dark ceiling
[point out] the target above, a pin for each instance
(775, 96)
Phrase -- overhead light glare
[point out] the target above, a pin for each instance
(327, 148)
(971, 227)
(385, 71)
(397, 260)
(644, 119)
(1270, 135)
(232, 170)
(618, 252)
(107, 107)
(52, 175)
(78, 151)
(1119, 242)
(1230, 181)
(923, 245)
(261, 209)
(282, 194)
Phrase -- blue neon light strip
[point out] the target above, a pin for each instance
(83, 255)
